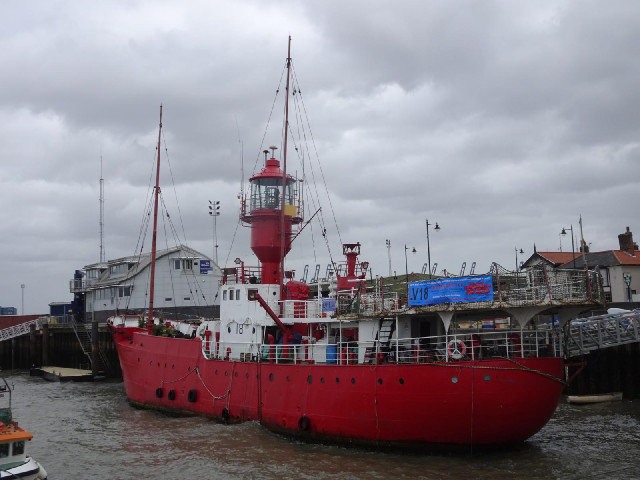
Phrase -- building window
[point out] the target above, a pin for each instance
(176, 264)
(607, 297)
(124, 291)
(118, 269)
(168, 299)
(4, 450)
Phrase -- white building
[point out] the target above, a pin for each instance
(186, 282)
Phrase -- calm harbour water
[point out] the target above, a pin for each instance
(88, 430)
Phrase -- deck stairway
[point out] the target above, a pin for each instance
(84, 339)
(584, 335)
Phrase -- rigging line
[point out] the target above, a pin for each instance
(318, 157)
(175, 191)
(190, 278)
(226, 261)
(314, 183)
(266, 128)
(166, 244)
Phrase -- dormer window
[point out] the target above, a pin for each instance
(118, 269)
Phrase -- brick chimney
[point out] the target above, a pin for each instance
(626, 242)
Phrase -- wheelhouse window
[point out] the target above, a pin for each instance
(224, 295)
(18, 447)
(4, 450)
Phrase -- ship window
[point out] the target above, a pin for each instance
(237, 294)
(224, 295)
(230, 294)
(187, 298)
(176, 264)
(18, 447)
(167, 299)
(4, 450)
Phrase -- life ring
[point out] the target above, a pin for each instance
(159, 392)
(456, 349)
(304, 423)
(171, 395)
(192, 396)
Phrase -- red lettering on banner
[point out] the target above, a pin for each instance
(477, 288)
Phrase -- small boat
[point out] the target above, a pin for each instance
(596, 398)
(14, 462)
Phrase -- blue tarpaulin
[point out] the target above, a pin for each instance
(451, 290)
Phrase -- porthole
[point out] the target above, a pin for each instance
(401, 381)
(236, 374)
(151, 363)
(321, 379)
(216, 372)
(247, 375)
(271, 377)
(337, 380)
(229, 329)
(454, 379)
(487, 378)
(226, 374)
(353, 381)
(310, 379)
(288, 378)
(379, 381)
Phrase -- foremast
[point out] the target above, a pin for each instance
(155, 233)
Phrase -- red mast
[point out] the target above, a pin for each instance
(155, 233)
(284, 165)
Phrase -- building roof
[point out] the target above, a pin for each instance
(554, 259)
(140, 263)
(608, 258)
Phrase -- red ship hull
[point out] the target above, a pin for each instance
(481, 402)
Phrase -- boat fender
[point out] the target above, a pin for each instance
(225, 415)
(456, 349)
(171, 395)
(304, 423)
(192, 396)
(159, 392)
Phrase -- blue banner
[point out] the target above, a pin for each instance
(451, 290)
(205, 266)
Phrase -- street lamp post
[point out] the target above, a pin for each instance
(406, 264)
(437, 229)
(389, 254)
(573, 248)
(214, 211)
(518, 266)
(22, 287)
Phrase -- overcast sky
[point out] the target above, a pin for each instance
(503, 121)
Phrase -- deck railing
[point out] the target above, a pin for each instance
(456, 347)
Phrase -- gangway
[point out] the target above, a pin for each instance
(21, 328)
(584, 335)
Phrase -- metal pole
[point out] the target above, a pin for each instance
(428, 249)
(406, 265)
(573, 248)
(22, 287)
(389, 254)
